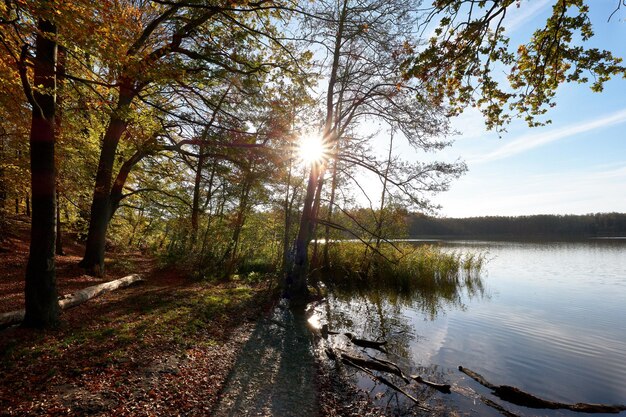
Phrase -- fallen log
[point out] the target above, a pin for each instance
(347, 359)
(518, 397)
(367, 343)
(445, 388)
(325, 332)
(75, 299)
(11, 318)
(498, 407)
(367, 363)
(398, 371)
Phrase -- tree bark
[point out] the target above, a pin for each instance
(230, 255)
(61, 56)
(101, 206)
(195, 208)
(3, 189)
(209, 197)
(117, 190)
(296, 285)
(42, 309)
(286, 267)
(333, 185)
(313, 225)
(59, 238)
(331, 204)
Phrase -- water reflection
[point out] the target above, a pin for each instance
(546, 317)
(430, 295)
(378, 311)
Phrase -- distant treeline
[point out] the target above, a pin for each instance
(538, 226)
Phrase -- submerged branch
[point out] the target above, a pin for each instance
(445, 388)
(367, 343)
(519, 397)
(363, 365)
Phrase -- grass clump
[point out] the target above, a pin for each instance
(401, 267)
(425, 277)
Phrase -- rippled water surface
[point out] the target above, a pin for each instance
(550, 318)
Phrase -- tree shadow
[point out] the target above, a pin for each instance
(275, 373)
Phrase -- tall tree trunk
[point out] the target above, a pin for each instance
(27, 209)
(209, 197)
(241, 219)
(131, 240)
(331, 204)
(3, 188)
(383, 195)
(42, 308)
(195, 208)
(296, 288)
(101, 206)
(381, 216)
(230, 255)
(333, 186)
(313, 225)
(61, 55)
(59, 239)
(286, 236)
(117, 190)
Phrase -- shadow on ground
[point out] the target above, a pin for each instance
(274, 374)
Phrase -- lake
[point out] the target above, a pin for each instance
(548, 318)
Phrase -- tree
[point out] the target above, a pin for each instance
(31, 34)
(172, 42)
(42, 308)
(469, 44)
(366, 44)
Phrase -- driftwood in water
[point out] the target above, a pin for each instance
(398, 371)
(372, 344)
(365, 365)
(376, 365)
(74, 299)
(325, 332)
(498, 407)
(445, 388)
(519, 397)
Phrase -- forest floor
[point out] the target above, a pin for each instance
(169, 346)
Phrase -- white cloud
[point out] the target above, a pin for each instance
(598, 189)
(609, 174)
(526, 12)
(527, 142)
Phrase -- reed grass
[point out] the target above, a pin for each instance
(404, 269)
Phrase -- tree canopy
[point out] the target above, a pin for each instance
(172, 126)
(460, 63)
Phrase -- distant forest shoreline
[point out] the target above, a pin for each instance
(535, 227)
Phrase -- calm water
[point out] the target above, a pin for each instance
(549, 318)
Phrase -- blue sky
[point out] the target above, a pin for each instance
(575, 165)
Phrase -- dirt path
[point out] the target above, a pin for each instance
(275, 373)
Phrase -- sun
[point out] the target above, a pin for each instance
(312, 149)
